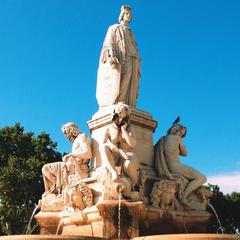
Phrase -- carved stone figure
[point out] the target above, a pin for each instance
(78, 196)
(116, 147)
(167, 152)
(122, 197)
(119, 65)
(163, 194)
(74, 165)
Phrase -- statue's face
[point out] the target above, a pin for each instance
(127, 16)
(71, 133)
(121, 118)
(123, 114)
(183, 132)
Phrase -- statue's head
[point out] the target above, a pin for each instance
(178, 129)
(125, 14)
(70, 130)
(120, 114)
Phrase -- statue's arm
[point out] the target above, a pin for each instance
(108, 51)
(182, 148)
(106, 138)
(107, 141)
(128, 136)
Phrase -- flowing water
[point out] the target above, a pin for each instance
(119, 215)
(211, 206)
(28, 231)
(60, 220)
(184, 224)
(59, 225)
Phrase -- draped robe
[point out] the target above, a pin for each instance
(120, 84)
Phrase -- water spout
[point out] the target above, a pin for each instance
(60, 223)
(184, 224)
(119, 213)
(58, 227)
(31, 218)
(219, 222)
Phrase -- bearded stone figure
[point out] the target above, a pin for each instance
(119, 65)
(57, 175)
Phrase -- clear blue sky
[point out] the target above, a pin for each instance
(190, 52)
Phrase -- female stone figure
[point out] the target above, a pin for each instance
(119, 65)
(167, 152)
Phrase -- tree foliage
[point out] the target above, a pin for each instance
(22, 155)
(228, 211)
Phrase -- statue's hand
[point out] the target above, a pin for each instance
(65, 158)
(124, 127)
(114, 148)
(113, 62)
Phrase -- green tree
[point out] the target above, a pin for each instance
(22, 155)
(228, 211)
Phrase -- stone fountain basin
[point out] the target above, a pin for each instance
(155, 237)
(190, 237)
(48, 237)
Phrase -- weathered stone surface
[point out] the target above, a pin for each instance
(119, 65)
(140, 122)
(132, 184)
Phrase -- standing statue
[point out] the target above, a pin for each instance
(167, 152)
(74, 166)
(119, 65)
(116, 147)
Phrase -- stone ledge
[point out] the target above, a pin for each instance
(137, 117)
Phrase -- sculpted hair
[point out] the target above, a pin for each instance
(124, 9)
(70, 130)
(175, 129)
(118, 109)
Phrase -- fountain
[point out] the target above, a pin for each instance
(216, 215)
(28, 231)
(133, 188)
(119, 215)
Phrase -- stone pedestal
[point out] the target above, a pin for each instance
(121, 221)
(102, 220)
(140, 123)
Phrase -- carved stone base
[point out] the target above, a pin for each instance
(121, 223)
(87, 222)
(159, 221)
(101, 220)
(141, 123)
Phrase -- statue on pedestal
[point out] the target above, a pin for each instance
(116, 147)
(167, 152)
(123, 177)
(119, 65)
(56, 175)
